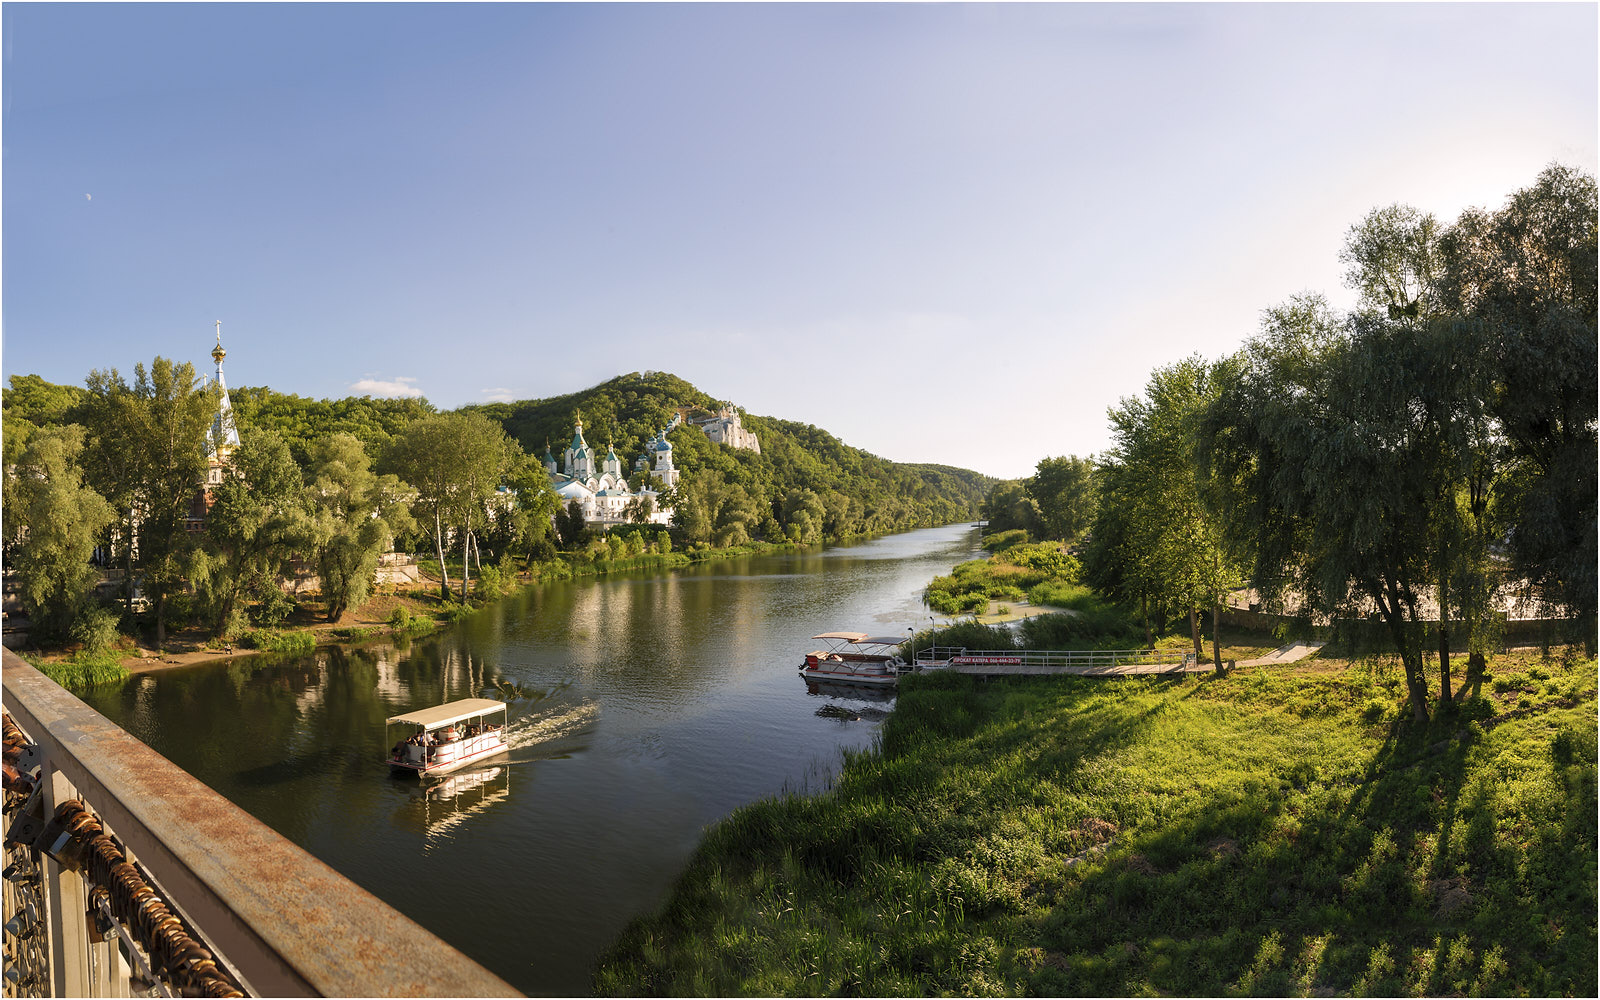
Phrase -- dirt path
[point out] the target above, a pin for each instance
(1297, 650)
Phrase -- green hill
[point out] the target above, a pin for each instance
(805, 483)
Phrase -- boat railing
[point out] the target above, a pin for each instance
(126, 876)
(1053, 659)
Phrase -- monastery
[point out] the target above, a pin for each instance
(601, 488)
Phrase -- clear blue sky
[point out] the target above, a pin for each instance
(945, 233)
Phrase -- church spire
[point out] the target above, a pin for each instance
(223, 437)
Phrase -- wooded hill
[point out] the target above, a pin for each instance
(805, 485)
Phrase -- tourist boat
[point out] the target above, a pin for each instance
(446, 738)
(856, 658)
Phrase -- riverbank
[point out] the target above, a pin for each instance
(1281, 830)
(193, 645)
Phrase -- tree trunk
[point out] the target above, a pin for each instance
(1411, 658)
(466, 564)
(1144, 609)
(1194, 634)
(127, 577)
(161, 620)
(438, 545)
(477, 557)
(1216, 632)
(1444, 627)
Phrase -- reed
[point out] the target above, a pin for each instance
(274, 641)
(83, 670)
(1272, 831)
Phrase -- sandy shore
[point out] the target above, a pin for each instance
(146, 660)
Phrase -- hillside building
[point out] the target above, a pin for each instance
(601, 488)
(724, 427)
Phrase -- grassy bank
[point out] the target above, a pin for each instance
(1271, 832)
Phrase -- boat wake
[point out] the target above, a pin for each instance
(541, 730)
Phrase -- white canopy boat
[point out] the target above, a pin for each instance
(856, 658)
(446, 738)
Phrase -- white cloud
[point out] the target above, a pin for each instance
(499, 395)
(393, 388)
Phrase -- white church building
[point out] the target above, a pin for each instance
(600, 487)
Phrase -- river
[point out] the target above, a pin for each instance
(643, 709)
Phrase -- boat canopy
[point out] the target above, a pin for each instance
(453, 711)
(846, 636)
(884, 640)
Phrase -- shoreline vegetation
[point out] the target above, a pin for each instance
(1283, 830)
(390, 612)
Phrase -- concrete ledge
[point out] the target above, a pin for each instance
(290, 924)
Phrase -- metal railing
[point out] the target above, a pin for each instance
(1053, 661)
(126, 876)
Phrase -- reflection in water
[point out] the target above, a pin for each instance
(642, 709)
(439, 807)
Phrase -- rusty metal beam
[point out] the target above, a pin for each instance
(291, 925)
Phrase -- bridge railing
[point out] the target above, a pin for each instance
(1047, 660)
(126, 876)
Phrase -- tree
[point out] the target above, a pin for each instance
(30, 403)
(1063, 491)
(536, 505)
(454, 461)
(1527, 275)
(260, 518)
(1008, 507)
(640, 509)
(803, 514)
(61, 520)
(1170, 539)
(1394, 259)
(1328, 434)
(357, 513)
(148, 449)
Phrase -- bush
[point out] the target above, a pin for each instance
(273, 608)
(269, 641)
(971, 635)
(1001, 541)
(96, 631)
(491, 583)
(1101, 628)
(403, 622)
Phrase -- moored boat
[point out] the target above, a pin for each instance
(856, 658)
(447, 737)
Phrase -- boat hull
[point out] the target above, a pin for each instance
(451, 757)
(845, 676)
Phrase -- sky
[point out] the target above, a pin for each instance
(944, 233)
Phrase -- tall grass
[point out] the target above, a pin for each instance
(274, 641)
(84, 670)
(1267, 832)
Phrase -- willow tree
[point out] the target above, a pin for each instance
(356, 514)
(1526, 274)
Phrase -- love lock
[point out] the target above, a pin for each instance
(29, 823)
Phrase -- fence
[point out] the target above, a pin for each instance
(1053, 661)
(126, 876)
